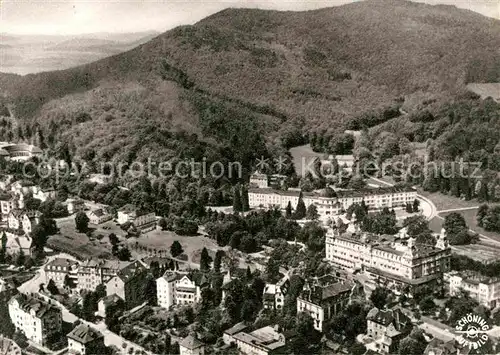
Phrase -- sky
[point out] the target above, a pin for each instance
(59, 17)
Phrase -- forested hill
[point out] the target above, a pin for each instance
(316, 70)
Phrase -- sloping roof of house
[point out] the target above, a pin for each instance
(191, 342)
(98, 213)
(131, 270)
(9, 347)
(84, 334)
(40, 307)
(386, 317)
(64, 262)
(172, 276)
(238, 327)
(108, 300)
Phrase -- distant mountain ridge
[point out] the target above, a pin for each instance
(315, 70)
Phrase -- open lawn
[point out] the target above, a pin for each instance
(470, 218)
(162, 240)
(79, 244)
(446, 202)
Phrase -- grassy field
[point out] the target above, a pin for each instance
(445, 202)
(470, 218)
(479, 252)
(486, 89)
(79, 244)
(162, 240)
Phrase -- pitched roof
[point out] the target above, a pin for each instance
(40, 307)
(98, 213)
(131, 270)
(387, 317)
(108, 300)
(84, 334)
(191, 342)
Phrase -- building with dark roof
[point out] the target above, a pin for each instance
(263, 341)
(485, 290)
(387, 328)
(176, 288)
(191, 345)
(84, 340)
(322, 300)
(396, 261)
(129, 284)
(59, 268)
(99, 216)
(34, 317)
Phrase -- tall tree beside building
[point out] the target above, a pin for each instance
(481, 213)
(218, 260)
(288, 210)
(82, 222)
(4, 246)
(205, 260)
(312, 213)
(300, 210)
(176, 249)
(237, 200)
(245, 205)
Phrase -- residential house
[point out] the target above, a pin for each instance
(387, 328)
(18, 242)
(485, 290)
(129, 284)
(23, 220)
(37, 319)
(5, 181)
(190, 345)
(43, 194)
(259, 180)
(20, 151)
(84, 340)
(264, 341)
(175, 288)
(452, 347)
(23, 187)
(58, 269)
(274, 294)
(324, 297)
(75, 205)
(94, 272)
(9, 201)
(105, 302)
(142, 220)
(99, 216)
(9, 347)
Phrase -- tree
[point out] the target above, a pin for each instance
(427, 304)
(205, 260)
(237, 207)
(312, 213)
(416, 205)
(481, 213)
(288, 210)
(244, 199)
(306, 336)
(52, 288)
(124, 254)
(21, 258)
(176, 249)
(4, 247)
(300, 210)
(162, 223)
(218, 260)
(379, 297)
(453, 224)
(82, 222)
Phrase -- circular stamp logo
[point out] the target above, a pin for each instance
(472, 331)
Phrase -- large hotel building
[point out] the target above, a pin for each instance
(335, 202)
(394, 261)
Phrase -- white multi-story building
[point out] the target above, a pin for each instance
(274, 294)
(43, 194)
(9, 202)
(260, 181)
(175, 288)
(143, 221)
(394, 260)
(324, 297)
(93, 272)
(57, 270)
(23, 220)
(485, 290)
(329, 202)
(34, 317)
(99, 216)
